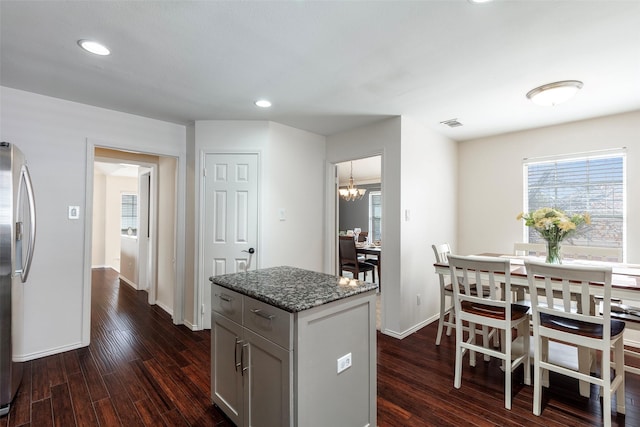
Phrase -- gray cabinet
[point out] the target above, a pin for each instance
(311, 368)
(251, 349)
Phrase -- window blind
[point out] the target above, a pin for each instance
(593, 184)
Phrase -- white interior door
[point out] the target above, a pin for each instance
(230, 218)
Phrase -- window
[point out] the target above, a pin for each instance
(129, 215)
(375, 215)
(585, 183)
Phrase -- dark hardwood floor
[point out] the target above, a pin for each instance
(140, 369)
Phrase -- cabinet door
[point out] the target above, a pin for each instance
(268, 385)
(226, 375)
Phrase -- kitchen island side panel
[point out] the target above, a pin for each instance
(325, 334)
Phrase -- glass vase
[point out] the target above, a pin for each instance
(553, 253)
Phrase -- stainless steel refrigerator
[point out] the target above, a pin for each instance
(17, 239)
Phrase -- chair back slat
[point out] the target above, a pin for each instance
(441, 252)
(489, 273)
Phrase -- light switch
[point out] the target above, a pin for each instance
(74, 212)
(282, 214)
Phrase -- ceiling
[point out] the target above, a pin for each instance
(328, 66)
(365, 171)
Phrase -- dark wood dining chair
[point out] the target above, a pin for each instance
(349, 259)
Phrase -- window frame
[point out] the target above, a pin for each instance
(136, 216)
(575, 157)
(371, 215)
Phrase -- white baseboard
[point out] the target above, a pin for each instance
(48, 352)
(407, 332)
(165, 308)
(129, 282)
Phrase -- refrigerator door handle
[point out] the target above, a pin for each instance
(26, 178)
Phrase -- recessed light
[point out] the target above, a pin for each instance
(554, 93)
(263, 103)
(94, 47)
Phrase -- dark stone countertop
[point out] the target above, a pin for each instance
(292, 289)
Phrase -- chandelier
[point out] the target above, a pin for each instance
(351, 192)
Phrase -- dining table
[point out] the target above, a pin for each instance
(373, 250)
(625, 286)
(625, 280)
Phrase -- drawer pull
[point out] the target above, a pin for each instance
(259, 312)
(225, 297)
(235, 354)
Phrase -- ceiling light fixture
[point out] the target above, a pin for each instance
(554, 93)
(94, 47)
(351, 192)
(263, 103)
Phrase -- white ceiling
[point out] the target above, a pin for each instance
(329, 66)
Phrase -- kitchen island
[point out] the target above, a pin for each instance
(292, 347)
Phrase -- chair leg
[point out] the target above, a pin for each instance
(485, 341)
(606, 392)
(545, 356)
(442, 316)
(452, 320)
(457, 381)
(507, 370)
(619, 359)
(524, 329)
(584, 366)
(537, 377)
(472, 340)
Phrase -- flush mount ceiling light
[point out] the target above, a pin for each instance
(351, 192)
(263, 103)
(94, 47)
(554, 93)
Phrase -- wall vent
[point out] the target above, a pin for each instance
(452, 123)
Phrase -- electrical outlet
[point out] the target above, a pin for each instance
(344, 362)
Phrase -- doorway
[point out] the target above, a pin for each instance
(358, 213)
(133, 230)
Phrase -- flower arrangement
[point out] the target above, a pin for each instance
(554, 225)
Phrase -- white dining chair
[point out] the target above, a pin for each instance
(577, 327)
(493, 309)
(529, 249)
(447, 312)
(593, 253)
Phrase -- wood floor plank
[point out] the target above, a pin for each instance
(42, 413)
(92, 375)
(106, 413)
(63, 414)
(149, 413)
(81, 400)
(40, 388)
(122, 404)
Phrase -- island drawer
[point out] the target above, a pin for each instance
(227, 302)
(271, 322)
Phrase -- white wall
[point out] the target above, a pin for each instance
(115, 186)
(291, 177)
(491, 179)
(99, 217)
(429, 194)
(129, 260)
(166, 233)
(418, 175)
(53, 135)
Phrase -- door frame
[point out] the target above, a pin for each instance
(180, 225)
(202, 281)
